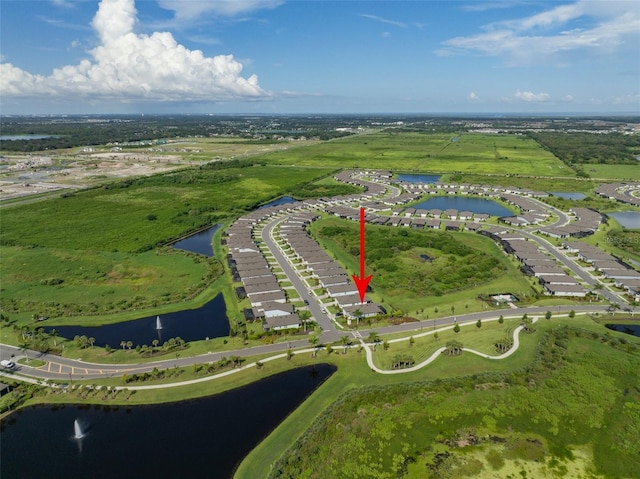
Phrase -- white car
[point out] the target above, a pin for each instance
(5, 363)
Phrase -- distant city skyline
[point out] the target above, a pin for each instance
(332, 57)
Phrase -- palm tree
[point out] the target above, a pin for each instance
(304, 317)
(54, 334)
(24, 347)
(358, 314)
(454, 348)
(129, 345)
(314, 342)
(123, 344)
(92, 341)
(345, 343)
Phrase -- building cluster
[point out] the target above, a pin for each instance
(534, 261)
(383, 201)
(330, 276)
(608, 266)
(622, 192)
(250, 267)
(585, 223)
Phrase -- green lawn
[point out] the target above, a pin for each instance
(431, 152)
(480, 339)
(613, 172)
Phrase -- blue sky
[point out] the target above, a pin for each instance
(277, 56)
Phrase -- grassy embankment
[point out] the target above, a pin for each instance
(572, 410)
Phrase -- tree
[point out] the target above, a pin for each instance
(436, 335)
(304, 315)
(314, 342)
(454, 348)
(358, 314)
(129, 345)
(123, 344)
(456, 328)
(411, 341)
(478, 324)
(572, 314)
(24, 347)
(548, 315)
(527, 324)
(385, 345)
(345, 343)
(54, 334)
(155, 343)
(91, 341)
(504, 344)
(501, 319)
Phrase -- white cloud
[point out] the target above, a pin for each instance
(384, 20)
(605, 27)
(189, 9)
(473, 97)
(129, 66)
(531, 97)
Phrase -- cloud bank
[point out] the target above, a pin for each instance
(134, 67)
(605, 27)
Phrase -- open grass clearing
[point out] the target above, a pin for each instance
(430, 152)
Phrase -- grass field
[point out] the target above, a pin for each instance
(55, 282)
(471, 153)
(614, 172)
(574, 410)
(117, 219)
(402, 281)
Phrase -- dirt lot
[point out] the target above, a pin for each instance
(26, 175)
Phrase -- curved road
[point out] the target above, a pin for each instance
(59, 368)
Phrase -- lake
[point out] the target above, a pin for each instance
(410, 178)
(209, 321)
(26, 137)
(627, 219)
(202, 438)
(200, 243)
(283, 200)
(465, 203)
(569, 196)
(633, 329)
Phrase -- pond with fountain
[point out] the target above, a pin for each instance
(205, 437)
(208, 321)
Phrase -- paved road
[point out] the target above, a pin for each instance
(60, 368)
(315, 306)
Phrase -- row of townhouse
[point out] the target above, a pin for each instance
(329, 273)
(439, 188)
(621, 192)
(610, 267)
(585, 222)
(535, 262)
(249, 266)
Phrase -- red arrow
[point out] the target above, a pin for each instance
(362, 282)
